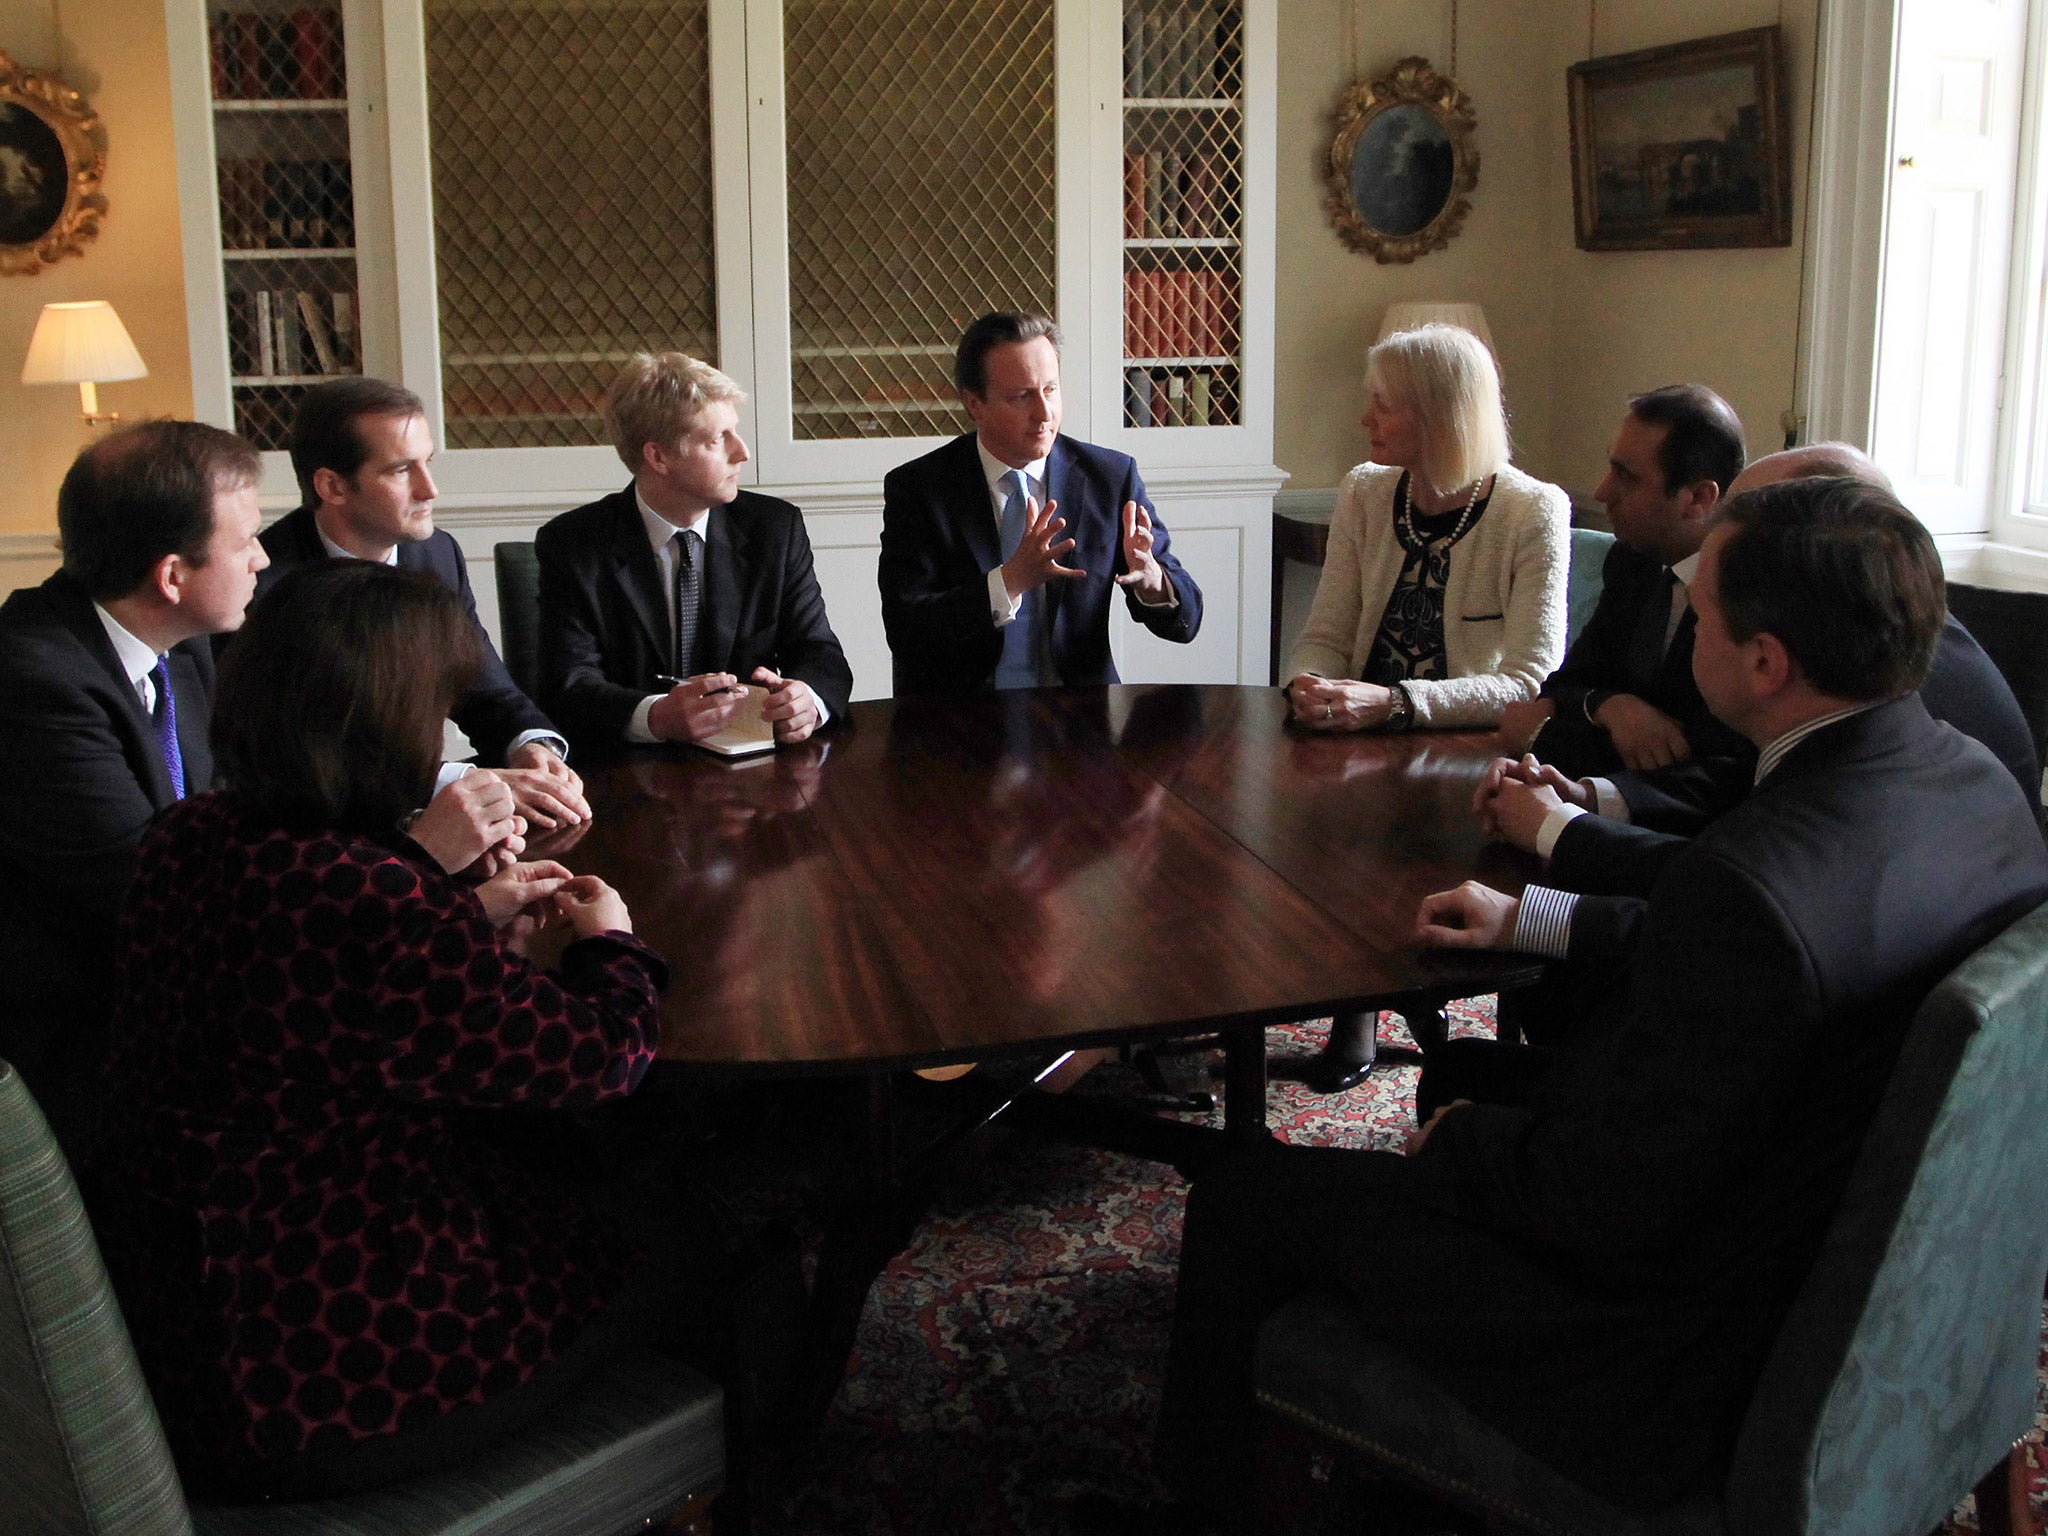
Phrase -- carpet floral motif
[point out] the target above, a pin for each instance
(1009, 1360)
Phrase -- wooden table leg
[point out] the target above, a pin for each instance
(1244, 1085)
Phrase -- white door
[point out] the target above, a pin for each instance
(1948, 245)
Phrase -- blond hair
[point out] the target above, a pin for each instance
(1445, 375)
(657, 397)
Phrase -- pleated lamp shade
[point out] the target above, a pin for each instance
(82, 343)
(1408, 315)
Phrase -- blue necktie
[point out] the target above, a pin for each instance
(165, 718)
(1023, 660)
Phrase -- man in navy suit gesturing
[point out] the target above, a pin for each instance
(1001, 549)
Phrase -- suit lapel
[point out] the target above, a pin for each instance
(971, 493)
(639, 578)
(83, 620)
(724, 543)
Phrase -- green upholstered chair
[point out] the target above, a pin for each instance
(1906, 1367)
(83, 1454)
(518, 579)
(1582, 587)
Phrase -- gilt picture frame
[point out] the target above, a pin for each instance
(1403, 162)
(52, 164)
(1682, 147)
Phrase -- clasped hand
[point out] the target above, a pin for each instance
(1335, 704)
(521, 899)
(545, 790)
(473, 818)
(1518, 794)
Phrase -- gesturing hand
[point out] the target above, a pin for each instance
(1037, 559)
(1474, 916)
(1142, 569)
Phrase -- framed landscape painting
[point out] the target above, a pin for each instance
(1682, 147)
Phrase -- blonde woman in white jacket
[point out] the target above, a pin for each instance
(1442, 599)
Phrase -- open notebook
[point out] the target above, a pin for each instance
(746, 732)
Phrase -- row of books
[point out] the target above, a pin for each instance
(1180, 314)
(286, 204)
(529, 397)
(280, 55)
(1169, 193)
(1178, 49)
(285, 333)
(1158, 397)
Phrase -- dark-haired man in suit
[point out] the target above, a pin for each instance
(660, 600)
(1000, 550)
(1623, 697)
(106, 690)
(362, 451)
(1600, 1271)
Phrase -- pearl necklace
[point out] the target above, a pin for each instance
(1464, 518)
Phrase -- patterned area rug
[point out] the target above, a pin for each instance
(1010, 1359)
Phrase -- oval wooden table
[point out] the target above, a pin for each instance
(1021, 874)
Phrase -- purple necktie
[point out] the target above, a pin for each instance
(165, 717)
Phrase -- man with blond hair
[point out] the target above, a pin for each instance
(658, 601)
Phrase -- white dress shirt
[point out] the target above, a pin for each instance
(661, 537)
(137, 657)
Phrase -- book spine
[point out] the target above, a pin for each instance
(266, 335)
(316, 332)
(220, 56)
(1134, 51)
(1134, 194)
(1198, 400)
(1137, 398)
(248, 32)
(345, 332)
(290, 353)
(1177, 400)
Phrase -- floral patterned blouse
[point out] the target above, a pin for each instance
(298, 1013)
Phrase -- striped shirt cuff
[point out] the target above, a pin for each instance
(1544, 925)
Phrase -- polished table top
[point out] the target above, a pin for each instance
(939, 880)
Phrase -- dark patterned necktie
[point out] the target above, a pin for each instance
(689, 584)
(165, 718)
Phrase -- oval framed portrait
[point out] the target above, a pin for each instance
(1402, 163)
(52, 161)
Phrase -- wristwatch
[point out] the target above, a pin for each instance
(1400, 709)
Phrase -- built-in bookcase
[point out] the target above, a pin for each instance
(279, 84)
(1183, 213)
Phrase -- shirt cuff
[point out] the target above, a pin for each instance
(1544, 925)
(636, 728)
(1559, 818)
(1002, 608)
(1607, 800)
(550, 739)
(1172, 598)
(449, 773)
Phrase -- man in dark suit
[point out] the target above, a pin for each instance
(1644, 817)
(106, 689)
(362, 454)
(658, 600)
(1623, 697)
(1601, 1271)
(1001, 549)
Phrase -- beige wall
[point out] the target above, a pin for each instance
(1577, 332)
(1626, 321)
(113, 51)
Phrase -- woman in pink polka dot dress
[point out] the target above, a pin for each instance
(331, 1280)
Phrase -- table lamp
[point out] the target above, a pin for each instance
(1409, 314)
(82, 343)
